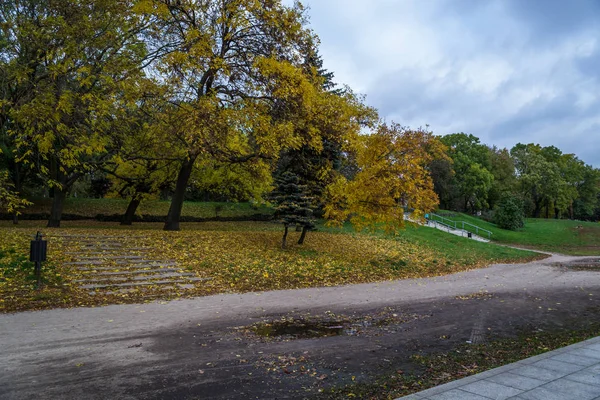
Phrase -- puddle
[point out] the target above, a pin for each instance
(307, 327)
(298, 329)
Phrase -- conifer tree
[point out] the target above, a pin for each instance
(293, 205)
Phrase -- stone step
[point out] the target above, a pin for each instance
(140, 261)
(113, 257)
(93, 262)
(134, 267)
(134, 272)
(141, 284)
(184, 286)
(149, 277)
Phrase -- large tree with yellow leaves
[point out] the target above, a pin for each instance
(68, 67)
(392, 177)
(231, 63)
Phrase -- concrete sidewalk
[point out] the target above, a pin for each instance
(572, 372)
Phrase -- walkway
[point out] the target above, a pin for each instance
(572, 372)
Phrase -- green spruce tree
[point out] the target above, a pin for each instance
(293, 205)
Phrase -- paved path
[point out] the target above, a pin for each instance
(570, 373)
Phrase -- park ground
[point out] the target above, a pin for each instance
(368, 341)
(347, 315)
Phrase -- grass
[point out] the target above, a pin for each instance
(559, 236)
(93, 207)
(463, 361)
(244, 257)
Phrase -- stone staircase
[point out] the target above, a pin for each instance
(113, 265)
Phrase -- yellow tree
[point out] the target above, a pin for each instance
(229, 63)
(392, 176)
(77, 59)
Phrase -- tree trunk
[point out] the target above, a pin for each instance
(298, 228)
(571, 212)
(556, 212)
(303, 236)
(57, 207)
(284, 239)
(538, 209)
(131, 209)
(18, 188)
(174, 215)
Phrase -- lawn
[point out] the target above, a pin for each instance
(559, 236)
(237, 257)
(157, 208)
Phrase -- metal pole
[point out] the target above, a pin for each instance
(38, 273)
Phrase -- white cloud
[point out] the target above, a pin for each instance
(495, 69)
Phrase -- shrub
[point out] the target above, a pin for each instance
(509, 214)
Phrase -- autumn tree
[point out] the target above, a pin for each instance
(229, 62)
(10, 201)
(293, 206)
(336, 115)
(77, 58)
(392, 176)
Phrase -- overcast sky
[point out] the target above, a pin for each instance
(507, 71)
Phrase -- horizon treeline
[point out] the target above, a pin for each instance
(550, 183)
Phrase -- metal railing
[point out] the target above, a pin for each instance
(460, 225)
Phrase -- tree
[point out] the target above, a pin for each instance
(509, 213)
(538, 178)
(292, 206)
(503, 170)
(588, 190)
(10, 201)
(472, 177)
(229, 62)
(392, 176)
(77, 59)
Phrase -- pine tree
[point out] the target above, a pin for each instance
(293, 205)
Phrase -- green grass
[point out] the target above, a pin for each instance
(92, 207)
(559, 236)
(450, 246)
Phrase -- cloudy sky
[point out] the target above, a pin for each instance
(507, 71)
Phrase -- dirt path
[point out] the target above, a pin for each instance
(197, 348)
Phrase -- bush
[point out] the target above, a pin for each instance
(510, 214)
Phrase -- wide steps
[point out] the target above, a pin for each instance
(110, 267)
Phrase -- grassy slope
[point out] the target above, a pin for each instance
(240, 257)
(451, 246)
(560, 236)
(92, 207)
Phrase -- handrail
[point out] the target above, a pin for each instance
(455, 223)
(449, 227)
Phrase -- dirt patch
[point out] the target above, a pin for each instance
(328, 324)
(584, 264)
(304, 356)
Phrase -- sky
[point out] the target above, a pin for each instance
(506, 71)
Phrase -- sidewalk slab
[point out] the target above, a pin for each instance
(572, 372)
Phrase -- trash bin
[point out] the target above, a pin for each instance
(469, 235)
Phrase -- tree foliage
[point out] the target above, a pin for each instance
(392, 176)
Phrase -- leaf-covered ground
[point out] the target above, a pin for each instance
(237, 257)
